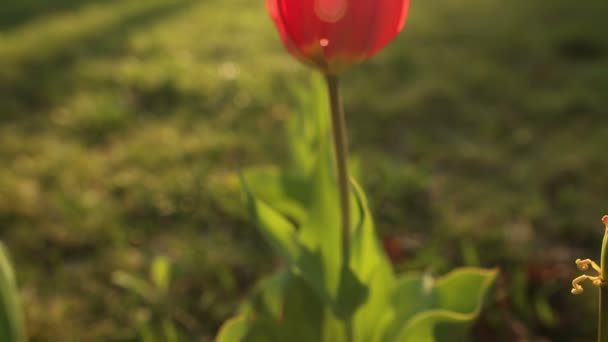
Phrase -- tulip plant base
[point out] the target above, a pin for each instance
(314, 297)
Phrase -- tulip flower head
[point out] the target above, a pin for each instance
(332, 35)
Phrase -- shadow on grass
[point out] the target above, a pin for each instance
(40, 80)
(16, 13)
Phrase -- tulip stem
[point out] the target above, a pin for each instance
(341, 150)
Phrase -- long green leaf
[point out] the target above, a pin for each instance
(11, 315)
(370, 263)
(321, 258)
(307, 126)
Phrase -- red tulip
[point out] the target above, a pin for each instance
(332, 35)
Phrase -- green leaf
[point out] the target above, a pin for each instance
(366, 253)
(322, 229)
(469, 253)
(303, 312)
(134, 284)
(456, 301)
(463, 289)
(286, 308)
(284, 192)
(160, 273)
(316, 247)
(352, 293)
(308, 126)
(544, 311)
(146, 333)
(277, 230)
(308, 194)
(411, 295)
(372, 315)
(290, 191)
(320, 235)
(169, 331)
(268, 296)
(349, 296)
(11, 314)
(233, 330)
(370, 264)
(321, 262)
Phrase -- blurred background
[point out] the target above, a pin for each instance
(480, 131)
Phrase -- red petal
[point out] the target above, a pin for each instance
(391, 19)
(275, 14)
(301, 22)
(348, 36)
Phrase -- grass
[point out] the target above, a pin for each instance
(479, 132)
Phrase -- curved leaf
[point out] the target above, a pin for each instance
(463, 289)
(458, 299)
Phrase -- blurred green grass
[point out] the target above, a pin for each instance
(480, 129)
